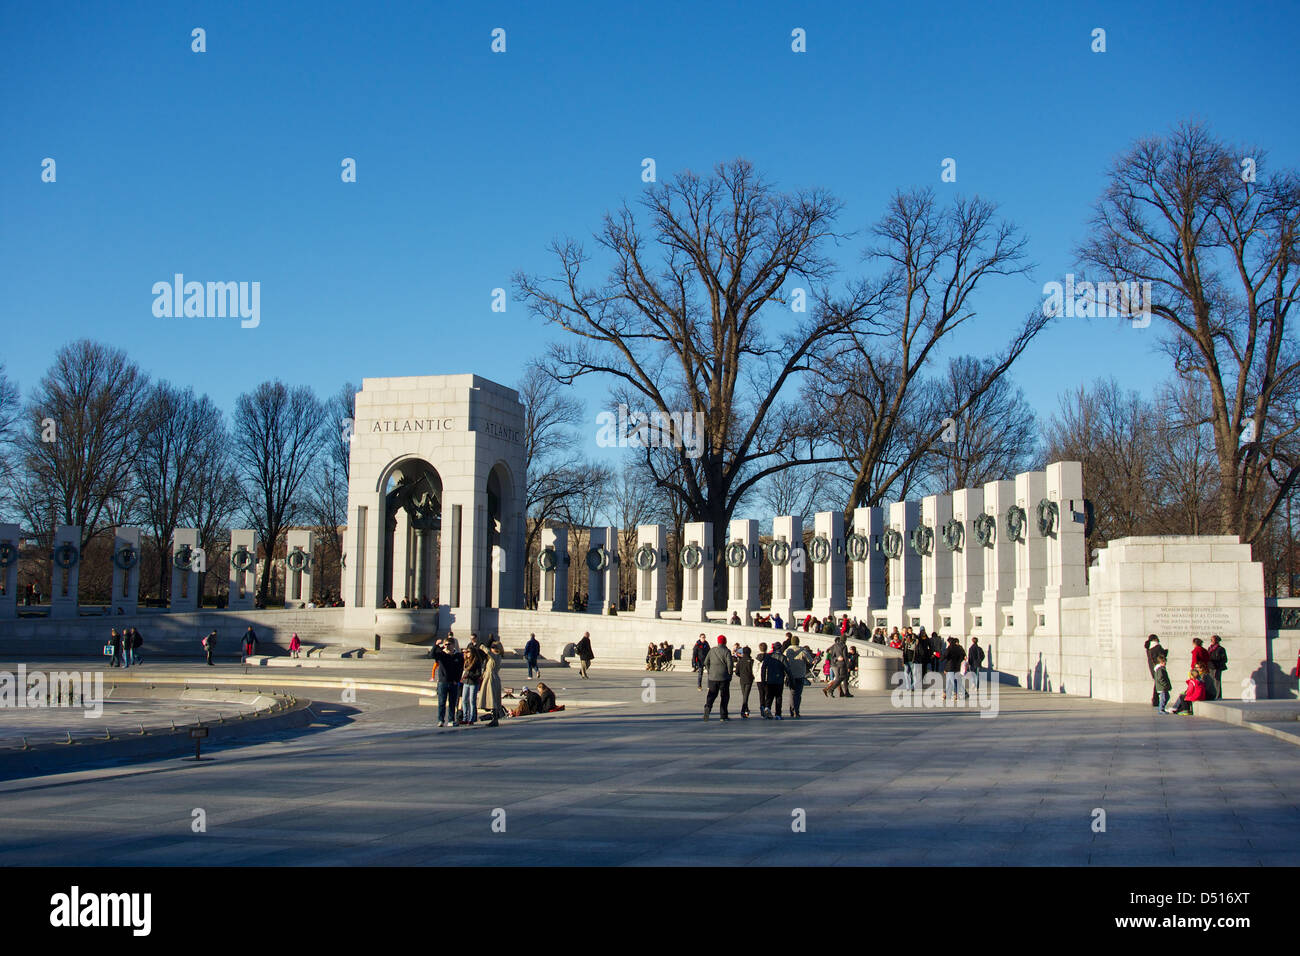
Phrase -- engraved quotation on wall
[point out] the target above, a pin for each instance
(1185, 623)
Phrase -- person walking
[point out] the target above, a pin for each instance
(719, 666)
(471, 676)
(449, 667)
(745, 674)
(974, 661)
(1218, 664)
(532, 651)
(115, 642)
(952, 660)
(136, 643)
(839, 655)
(124, 642)
(210, 645)
(797, 662)
(250, 644)
(700, 652)
(490, 692)
(773, 675)
(585, 655)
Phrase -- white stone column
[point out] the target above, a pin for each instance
(697, 582)
(125, 598)
(936, 562)
(826, 563)
(299, 562)
(553, 585)
(243, 542)
(1031, 572)
(990, 620)
(186, 558)
(65, 573)
(968, 560)
(1066, 547)
(651, 563)
(904, 563)
(742, 577)
(868, 564)
(602, 570)
(786, 556)
(10, 546)
(403, 582)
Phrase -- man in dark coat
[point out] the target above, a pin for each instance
(585, 655)
(974, 661)
(745, 674)
(952, 659)
(532, 650)
(1218, 664)
(772, 675)
(700, 651)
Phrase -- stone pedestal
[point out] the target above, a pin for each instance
(786, 556)
(602, 570)
(826, 563)
(553, 584)
(186, 562)
(1177, 588)
(742, 557)
(697, 581)
(299, 562)
(967, 560)
(863, 546)
(936, 563)
(10, 546)
(126, 571)
(65, 571)
(1031, 568)
(904, 562)
(650, 561)
(243, 570)
(989, 620)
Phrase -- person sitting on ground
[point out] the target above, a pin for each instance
(529, 703)
(548, 699)
(1195, 691)
(651, 656)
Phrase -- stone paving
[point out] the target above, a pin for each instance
(651, 783)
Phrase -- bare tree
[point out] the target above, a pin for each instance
(174, 428)
(1214, 233)
(327, 498)
(277, 435)
(80, 440)
(1111, 432)
(872, 378)
(1183, 462)
(995, 439)
(679, 321)
(11, 410)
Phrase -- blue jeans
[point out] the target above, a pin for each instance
(952, 681)
(1164, 699)
(446, 700)
(913, 671)
(469, 702)
(532, 666)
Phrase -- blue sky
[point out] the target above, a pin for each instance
(225, 165)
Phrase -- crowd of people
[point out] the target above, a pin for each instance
(1204, 679)
(785, 665)
(123, 648)
(469, 683)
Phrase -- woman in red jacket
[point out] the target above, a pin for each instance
(1195, 691)
(1200, 656)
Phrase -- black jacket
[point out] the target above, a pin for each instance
(449, 666)
(584, 650)
(976, 657)
(745, 669)
(953, 658)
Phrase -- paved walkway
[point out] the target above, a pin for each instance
(651, 783)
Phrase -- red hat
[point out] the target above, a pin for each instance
(722, 639)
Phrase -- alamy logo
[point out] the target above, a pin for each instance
(35, 689)
(213, 300)
(1087, 300)
(657, 429)
(75, 909)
